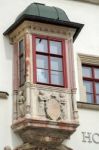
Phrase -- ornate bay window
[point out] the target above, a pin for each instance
(44, 94)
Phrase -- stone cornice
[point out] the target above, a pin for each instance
(40, 28)
(89, 59)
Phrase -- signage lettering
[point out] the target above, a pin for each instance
(90, 137)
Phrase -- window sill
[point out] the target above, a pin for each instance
(88, 105)
(3, 95)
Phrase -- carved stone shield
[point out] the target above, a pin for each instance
(53, 109)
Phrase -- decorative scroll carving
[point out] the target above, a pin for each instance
(52, 106)
(21, 104)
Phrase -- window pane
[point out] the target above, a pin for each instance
(41, 45)
(21, 47)
(22, 63)
(22, 77)
(55, 47)
(42, 75)
(42, 61)
(97, 88)
(86, 71)
(56, 78)
(96, 70)
(89, 86)
(97, 99)
(90, 98)
(56, 63)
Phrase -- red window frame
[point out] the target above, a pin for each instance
(63, 56)
(92, 79)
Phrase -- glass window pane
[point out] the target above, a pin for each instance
(97, 99)
(22, 77)
(97, 88)
(22, 63)
(42, 76)
(42, 61)
(56, 63)
(96, 70)
(56, 78)
(55, 47)
(86, 71)
(90, 98)
(89, 86)
(41, 45)
(21, 47)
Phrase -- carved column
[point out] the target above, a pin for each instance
(27, 57)
(15, 80)
(70, 57)
(68, 104)
(75, 111)
(28, 75)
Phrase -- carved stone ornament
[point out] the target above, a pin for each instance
(52, 106)
(21, 104)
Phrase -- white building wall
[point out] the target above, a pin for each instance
(87, 43)
(87, 135)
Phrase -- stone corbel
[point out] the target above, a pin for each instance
(3, 95)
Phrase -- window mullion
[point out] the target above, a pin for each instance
(49, 63)
(94, 92)
(94, 87)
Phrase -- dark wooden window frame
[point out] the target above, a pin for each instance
(92, 79)
(63, 56)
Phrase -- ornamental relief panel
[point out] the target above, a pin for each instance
(52, 106)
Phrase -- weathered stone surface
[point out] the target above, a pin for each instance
(43, 133)
(28, 146)
(53, 109)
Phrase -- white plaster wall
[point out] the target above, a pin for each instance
(89, 122)
(87, 42)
